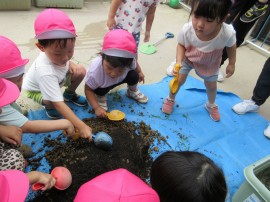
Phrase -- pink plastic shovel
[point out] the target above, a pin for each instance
(62, 176)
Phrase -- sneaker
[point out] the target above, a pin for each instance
(52, 113)
(213, 112)
(137, 95)
(267, 131)
(169, 69)
(168, 105)
(245, 106)
(256, 11)
(102, 101)
(75, 98)
(220, 76)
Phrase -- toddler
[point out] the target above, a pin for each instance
(53, 69)
(115, 66)
(200, 45)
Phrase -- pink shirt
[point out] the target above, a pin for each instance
(205, 56)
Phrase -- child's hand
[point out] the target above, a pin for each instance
(69, 130)
(111, 23)
(100, 112)
(141, 76)
(11, 134)
(86, 132)
(230, 70)
(146, 36)
(43, 178)
(176, 69)
(76, 70)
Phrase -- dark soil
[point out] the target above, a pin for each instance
(131, 150)
(264, 177)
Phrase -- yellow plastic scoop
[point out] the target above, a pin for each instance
(116, 115)
(174, 82)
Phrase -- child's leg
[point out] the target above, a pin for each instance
(211, 107)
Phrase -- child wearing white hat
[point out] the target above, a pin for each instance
(115, 65)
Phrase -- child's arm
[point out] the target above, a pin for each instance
(180, 52)
(231, 52)
(91, 98)
(149, 21)
(112, 12)
(41, 126)
(11, 134)
(67, 113)
(139, 71)
(43, 178)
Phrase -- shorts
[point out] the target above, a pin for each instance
(185, 69)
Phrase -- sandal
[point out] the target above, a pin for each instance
(102, 101)
(137, 95)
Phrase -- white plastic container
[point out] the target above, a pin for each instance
(252, 189)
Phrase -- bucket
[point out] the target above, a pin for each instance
(254, 188)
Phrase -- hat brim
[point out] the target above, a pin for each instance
(17, 183)
(10, 93)
(118, 53)
(22, 63)
(55, 34)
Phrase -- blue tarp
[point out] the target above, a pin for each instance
(233, 143)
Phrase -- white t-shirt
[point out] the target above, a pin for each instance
(97, 78)
(205, 56)
(47, 78)
(131, 14)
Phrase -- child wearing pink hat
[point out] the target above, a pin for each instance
(115, 65)
(15, 184)
(53, 69)
(116, 186)
(10, 158)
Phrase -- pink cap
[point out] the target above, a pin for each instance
(14, 186)
(9, 92)
(54, 24)
(10, 55)
(119, 43)
(116, 186)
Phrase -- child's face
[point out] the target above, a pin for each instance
(113, 72)
(17, 80)
(205, 28)
(59, 56)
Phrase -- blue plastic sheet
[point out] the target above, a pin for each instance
(233, 143)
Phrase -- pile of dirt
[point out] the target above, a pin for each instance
(131, 150)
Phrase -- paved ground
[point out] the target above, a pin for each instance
(90, 22)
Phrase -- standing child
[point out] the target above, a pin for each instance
(115, 66)
(200, 45)
(130, 15)
(53, 69)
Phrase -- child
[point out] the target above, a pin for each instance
(11, 158)
(53, 69)
(200, 45)
(115, 186)
(130, 15)
(15, 184)
(187, 177)
(113, 67)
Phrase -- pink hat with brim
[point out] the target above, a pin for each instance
(9, 92)
(119, 43)
(10, 56)
(54, 24)
(14, 186)
(116, 186)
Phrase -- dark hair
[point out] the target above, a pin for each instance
(211, 9)
(187, 177)
(61, 42)
(117, 61)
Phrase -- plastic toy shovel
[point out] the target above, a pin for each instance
(151, 48)
(174, 85)
(62, 176)
(116, 115)
(101, 140)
